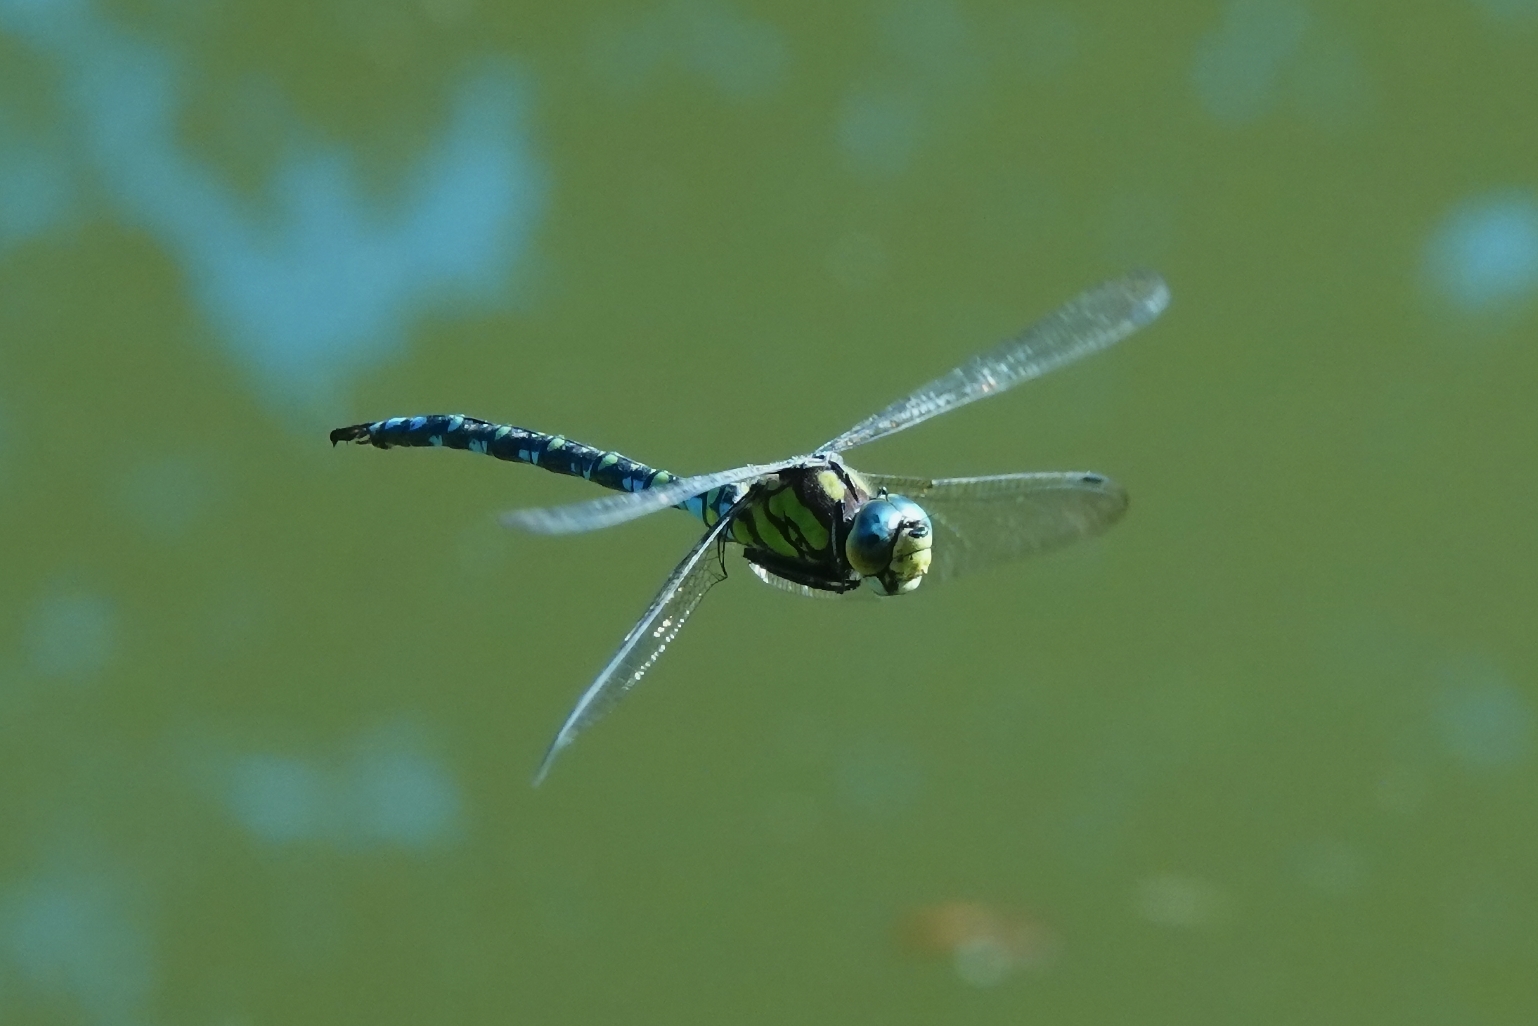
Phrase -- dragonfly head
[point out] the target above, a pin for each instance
(890, 541)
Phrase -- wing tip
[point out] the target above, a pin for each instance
(1151, 294)
(542, 521)
(1108, 486)
(518, 518)
(549, 760)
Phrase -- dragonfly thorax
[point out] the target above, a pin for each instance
(796, 523)
(820, 526)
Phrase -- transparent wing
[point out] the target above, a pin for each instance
(779, 583)
(616, 509)
(647, 640)
(983, 521)
(1096, 319)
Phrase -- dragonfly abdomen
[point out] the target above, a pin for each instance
(555, 453)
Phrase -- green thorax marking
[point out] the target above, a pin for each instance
(797, 522)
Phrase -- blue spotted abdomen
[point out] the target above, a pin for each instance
(555, 453)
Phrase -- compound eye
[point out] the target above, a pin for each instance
(872, 535)
(911, 551)
(911, 513)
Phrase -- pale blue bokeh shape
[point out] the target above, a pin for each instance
(403, 798)
(317, 279)
(1510, 12)
(75, 940)
(36, 191)
(745, 57)
(1482, 720)
(929, 62)
(1266, 54)
(1484, 254)
(1238, 67)
(930, 40)
(279, 799)
(880, 128)
(71, 635)
(388, 793)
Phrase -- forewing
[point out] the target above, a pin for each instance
(647, 640)
(1096, 319)
(980, 522)
(616, 509)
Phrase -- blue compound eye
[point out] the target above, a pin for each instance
(872, 535)
(890, 540)
(912, 513)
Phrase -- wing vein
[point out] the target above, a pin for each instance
(983, 522)
(1094, 320)
(609, 510)
(647, 640)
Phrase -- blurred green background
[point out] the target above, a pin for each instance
(269, 710)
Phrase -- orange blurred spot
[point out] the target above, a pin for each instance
(985, 943)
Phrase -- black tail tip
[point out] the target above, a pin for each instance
(353, 433)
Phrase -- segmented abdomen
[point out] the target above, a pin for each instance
(520, 445)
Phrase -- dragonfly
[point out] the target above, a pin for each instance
(812, 524)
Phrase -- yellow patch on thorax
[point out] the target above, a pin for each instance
(831, 486)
